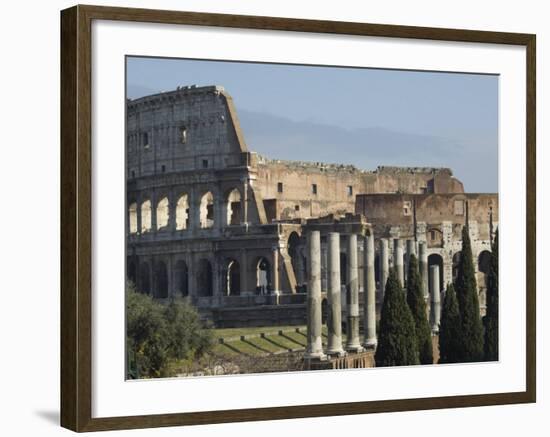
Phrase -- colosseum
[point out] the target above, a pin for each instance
(213, 221)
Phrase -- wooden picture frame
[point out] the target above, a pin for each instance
(76, 217)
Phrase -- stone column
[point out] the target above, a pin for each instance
(384, 266)
(244, 202)
(334, 319)
(244, 273)
(353, 342)
(195, 210)
(314, 349)
(275, 270)
(369, 294)
(436, 298)
(423, 263)
(398, 259)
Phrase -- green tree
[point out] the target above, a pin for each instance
(146, 335)
(397, 343)
(491, 316)
(187, 339)
(450, 329)
(417, 305)
(471, 344)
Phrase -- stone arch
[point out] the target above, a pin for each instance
(145, 278)
(205, 278)
(233, 207)
(436, 259)
(163, 213)
(232, 278)
(132, 218)
(161, 280)
(484, 261)
(145, 212)
(181, 273)
(182, 213)
(207, 210)
(263, 275)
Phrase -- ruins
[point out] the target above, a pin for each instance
(253, 241)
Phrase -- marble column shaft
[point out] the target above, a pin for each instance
(334, 319)
(435, 297)
(353, 342)
(384, 266)
(398, 259)
(314, 348)
(423, 263)
(369, 293)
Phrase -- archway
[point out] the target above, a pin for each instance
(163, 213)
(263, 275)
(484, 261)
(161, 280)
(436, 259)
(132, 218)
(232, 278)
(233, 205)
(182, 278)
(207, 210)
(204, 278)
(145, 212)
(182, 213)
(145, 278)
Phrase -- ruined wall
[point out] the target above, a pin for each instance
(186, 129)
(296, 189)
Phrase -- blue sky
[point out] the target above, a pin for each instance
(365, 117)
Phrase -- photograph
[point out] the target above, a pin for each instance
(293, 217)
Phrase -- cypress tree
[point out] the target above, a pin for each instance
(450, 329)
(491, 316)
(468, 303)
(417, 305)
(397, 343)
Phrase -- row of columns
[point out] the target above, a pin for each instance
(334, 320)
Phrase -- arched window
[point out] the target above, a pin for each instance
(234, 214)
(263, 274)
(182, 278)
(132, 212)
(204, 278)
(144, 278)
(161, 280)
(163, 213)
(182, 213)
(207, 211)
(146, 216)
(232, 279)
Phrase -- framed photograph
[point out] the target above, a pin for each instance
(268, 218)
